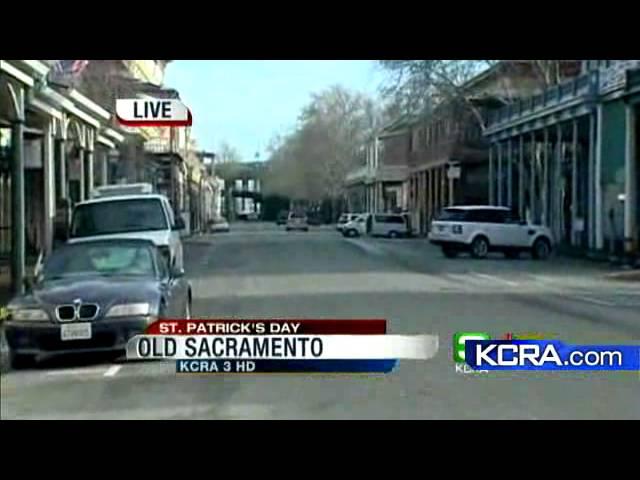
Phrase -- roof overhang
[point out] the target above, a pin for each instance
(89, 104)
(16, 73)
(57, 98)
(105, 141)
(37, 66)
(84, 117)
(45, 108)
(110, 132)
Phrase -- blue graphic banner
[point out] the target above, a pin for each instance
(285, 366)
(549, 355)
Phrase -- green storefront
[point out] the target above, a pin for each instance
(568, 158)
(618, 157)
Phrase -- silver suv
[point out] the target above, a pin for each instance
(481, 229)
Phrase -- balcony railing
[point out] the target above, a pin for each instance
(359, 174)
(582, 86)
(159, 145)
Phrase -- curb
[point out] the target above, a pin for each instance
(4, 352)
(629, 276)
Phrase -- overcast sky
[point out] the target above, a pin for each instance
(246, 102)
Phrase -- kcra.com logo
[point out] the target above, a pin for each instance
(460, 338)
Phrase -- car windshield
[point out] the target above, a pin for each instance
(120, 216)
(452, 214)
(99, 259)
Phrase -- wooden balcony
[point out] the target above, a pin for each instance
(558, 97)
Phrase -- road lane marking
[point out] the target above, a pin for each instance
(591, 300)
(112, 370)
(496, 279)
(210, 410)
(76, 371)
(366, 246)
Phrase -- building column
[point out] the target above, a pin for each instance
(451, 191)
(631, 178)
(83, 176)
(509, 174)
(574, 183)
(244, 185)
(88, 183)
(443, 187)
(61, 167)
(521, 178)
(545, 179)
(591, 182)
(556, 203)
(532, 180)
(104, 170)
(500, 174)
(374, 194)
(49, 187)
(17, 201)
(598, 185)
(434, 193)
(418, 201)
(427, 191)
(492, 177)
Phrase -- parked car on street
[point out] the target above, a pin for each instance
(147, 216)
(483, 229)
(391, 225)
(219, 225)
(297, 221)
(344, 219)
(93, 296)
(356, 227)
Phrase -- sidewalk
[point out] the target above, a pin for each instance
(4, 298)
(626, 276)
(419, 255)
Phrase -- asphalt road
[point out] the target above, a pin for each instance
(261, 271)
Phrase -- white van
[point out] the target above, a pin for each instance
(148, 216)
(392, 225)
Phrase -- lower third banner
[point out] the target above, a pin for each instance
(285, 366)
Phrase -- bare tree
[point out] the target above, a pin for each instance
(422, 86)
(228, 154)
(312, 162)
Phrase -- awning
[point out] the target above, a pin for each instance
(88, 104)
(105, 141)
(16, 73)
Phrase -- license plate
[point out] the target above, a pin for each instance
(75, 331)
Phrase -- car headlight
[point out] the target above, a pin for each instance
(129, 310)
(28, 315)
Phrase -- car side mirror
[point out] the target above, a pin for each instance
(28, 284)
(179, 224)
(523, 222)
(177, 272)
